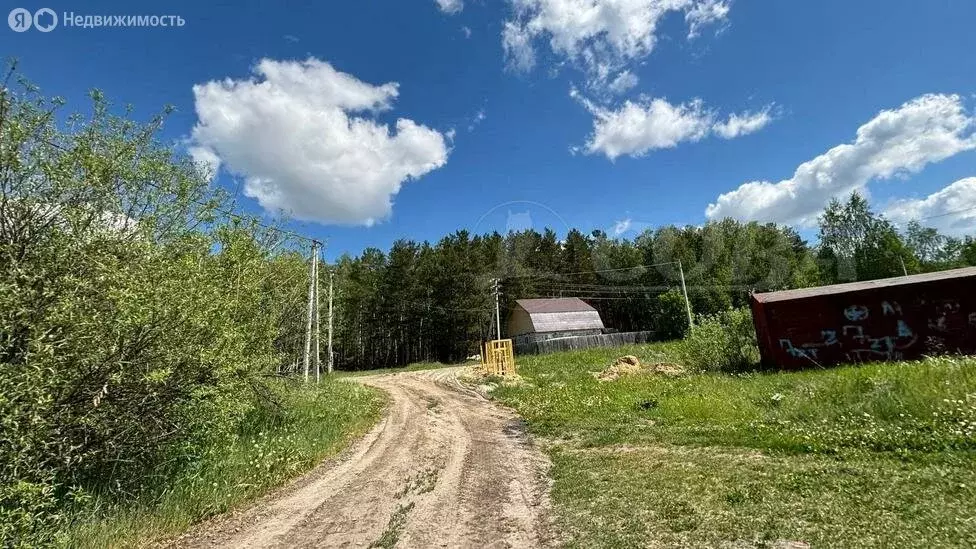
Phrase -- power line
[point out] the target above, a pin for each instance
(947, 214)
(598, 298)
(595, 287)
(540, 275)
(657, 288)
(596, 291)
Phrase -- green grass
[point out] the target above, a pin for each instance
(390, 536)
(316, 423)
(880, 455)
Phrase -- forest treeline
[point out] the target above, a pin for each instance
(423, 302)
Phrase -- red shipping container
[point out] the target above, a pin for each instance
(890, 319)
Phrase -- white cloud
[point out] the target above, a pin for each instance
(206, 160)
(450, 6)
(623, 82)
(479, 117)
(622, 226)
(467, 31)
(517, 43)
(706, 13)
(638, 127)
(743, 124)
(305, 138)
(951, 209)
(896, 142)
(602, 35)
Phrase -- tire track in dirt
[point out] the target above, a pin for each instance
(444, 468)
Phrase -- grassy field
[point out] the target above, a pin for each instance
(315, 423)
(862, 456)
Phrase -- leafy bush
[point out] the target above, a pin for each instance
(725, 342)
(672, 315)
(136, 321)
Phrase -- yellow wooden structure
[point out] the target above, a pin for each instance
(498, 358)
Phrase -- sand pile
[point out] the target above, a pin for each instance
(630, 365)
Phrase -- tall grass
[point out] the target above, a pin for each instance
(877, 455)
(924, 405)
(272, 446)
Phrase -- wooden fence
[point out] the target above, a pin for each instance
(527, 346)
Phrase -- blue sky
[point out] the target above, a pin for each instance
(558, 139)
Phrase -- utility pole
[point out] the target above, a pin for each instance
(310, 315)
(903, 269)
(498, 316)
(331, 280)
(684, 290)
(318, 329)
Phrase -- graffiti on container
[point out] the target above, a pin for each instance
(942, 311)
(888, 309)
(877, 321)
(857, 331)
(857, 344)
(904, 330)
(856, 313)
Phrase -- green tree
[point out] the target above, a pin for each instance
(934, 251)
(857, 244)
(967, 252)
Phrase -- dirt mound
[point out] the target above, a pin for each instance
(630, 360)
(623, 366)
(630, 365)
(669, 369)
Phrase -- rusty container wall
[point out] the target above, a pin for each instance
(890, 319)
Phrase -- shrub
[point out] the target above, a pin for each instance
(725, 342)
(672, 315)
(137, 323)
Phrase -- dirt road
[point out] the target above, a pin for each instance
(444, 468)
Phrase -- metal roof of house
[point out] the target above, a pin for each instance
(563, 314)
(554, 305)
(771, 297)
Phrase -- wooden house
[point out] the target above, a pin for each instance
(539, 319)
